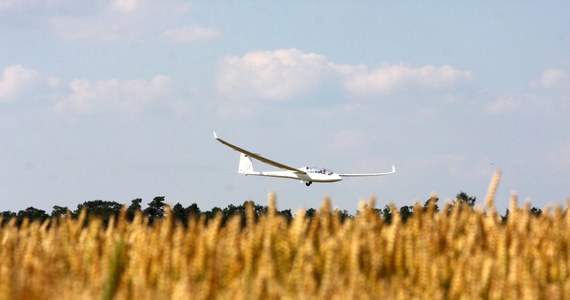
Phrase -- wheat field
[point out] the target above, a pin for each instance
(454, 253)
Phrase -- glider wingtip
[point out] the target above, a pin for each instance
(215, 135)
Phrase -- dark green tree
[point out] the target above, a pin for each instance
(7, 216)
(193, 211)
(406, 212)
(134, 208)
(100, 209)
(387, 214)
(180, 214)
(343, 214)
(232, 210)
(536, 211)
(310, 213)
(32, 214)
(155, 209)
(59, 211)
(259, 209)
(505, 217)
(463, 199)
(432, 201)
(240, 211)
(209, 215)
(287, 214)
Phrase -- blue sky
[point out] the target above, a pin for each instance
(117, 100)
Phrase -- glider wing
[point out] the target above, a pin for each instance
(370, 174)
(257, 156)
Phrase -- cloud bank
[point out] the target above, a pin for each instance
(131, 96)
(80, 96)
(554, 79)
(288, 73)
(190, 34)
(549, 92)
(113, 20)
(119, 20)
(15, 80)
(271, 75)
(391, 78)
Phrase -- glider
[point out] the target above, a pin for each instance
(307, 175)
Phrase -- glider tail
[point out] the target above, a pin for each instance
(245, 165)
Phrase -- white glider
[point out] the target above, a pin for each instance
(307, 175)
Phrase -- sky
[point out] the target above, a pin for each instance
(117, 100)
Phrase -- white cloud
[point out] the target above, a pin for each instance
(554, 79)
(390, 78)
(549, 94)
(6, 4)
(15, 79)
(111, 20)
(521, 103)
(125, 6)
(190, 34)
(554, 88)
(287, 73)
(116, 20)
(92, 96)
(272, 75)
(503, 105)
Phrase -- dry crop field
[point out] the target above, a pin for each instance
(452, 253)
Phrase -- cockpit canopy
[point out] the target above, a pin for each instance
(316, 170)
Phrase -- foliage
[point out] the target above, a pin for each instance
(155, 209)
(103, 210)
(158, 208)
(463, 199)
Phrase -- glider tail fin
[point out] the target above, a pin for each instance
(245, 165)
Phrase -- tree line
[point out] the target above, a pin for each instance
(157, 209)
